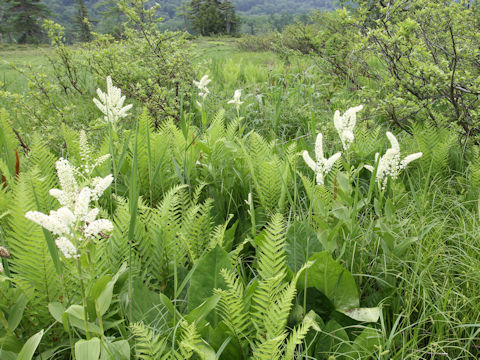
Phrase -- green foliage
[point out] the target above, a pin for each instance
(24, 20)
(208, 17)
(429, 39)
(223, 245)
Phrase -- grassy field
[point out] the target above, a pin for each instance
(21, 57)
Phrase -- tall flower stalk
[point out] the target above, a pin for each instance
(391, 164)
(345, 125)
(321, 166)
(111, 103)
(203, 93)
(237, 100)
(75, 224)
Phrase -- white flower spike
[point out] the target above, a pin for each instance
(322, 166)
(74, 221)
(236, 99)
(111, 103)
(345, 124)
(202, 86)
(390, 163)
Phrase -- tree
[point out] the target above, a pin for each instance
(4, 24)
(430, 68)
(213, 17)
(81, 20)
(25, 17)
(113, 17)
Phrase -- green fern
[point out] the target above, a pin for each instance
(262, 316)
(151, 346)
(298, 335)
(232, 306)
(435, 144)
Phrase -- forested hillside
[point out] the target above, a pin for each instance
(104, 16)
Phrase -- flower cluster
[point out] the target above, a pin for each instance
(390, 164)
(345, 124)
(236, 99)
(322, 165)
(74, 221)
(202, 86)
(111, 103)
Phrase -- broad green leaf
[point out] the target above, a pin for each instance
(221, 340)
(76, 318)
(149, 306)
(30, 346)
(333, 339)
(204, 351)
(99, 286)
(118, 350)
(333, 280)
(7, 355)
(76, 311)
(16, 312)
(364, 314)
(56, 310)
(206, 277)
(201, 312)
(366, 343)
(229, 237)
(87, 349)
(302, 242)
(104, 298)
(10, 343)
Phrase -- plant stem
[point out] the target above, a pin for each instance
(84, 299)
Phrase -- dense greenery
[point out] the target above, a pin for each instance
(217, 203)
(21, 20)
(210, 17)
(105, 16)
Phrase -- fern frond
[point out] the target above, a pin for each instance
(233, 309)
(217, 127)
(269, 349)
(148, 346)
(297, 336)
(262, 300)
(271, 251)
(31, 261)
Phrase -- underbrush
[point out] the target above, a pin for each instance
(235, 219)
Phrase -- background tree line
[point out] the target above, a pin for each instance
(21, 19)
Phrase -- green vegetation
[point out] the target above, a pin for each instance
(169, 197)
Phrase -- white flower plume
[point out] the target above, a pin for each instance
(111, 103)
(345, 124)
(321, 166)
(390, 164)
(75, 220)
(236, 99)
(66, 247)
(202, 86)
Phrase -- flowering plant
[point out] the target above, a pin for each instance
(345, 124)
(390, 164)
(322, 165)
(111, 103)
(75, 222)
(236, 99)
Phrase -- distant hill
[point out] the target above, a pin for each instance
(267, 7)
(62, 11)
